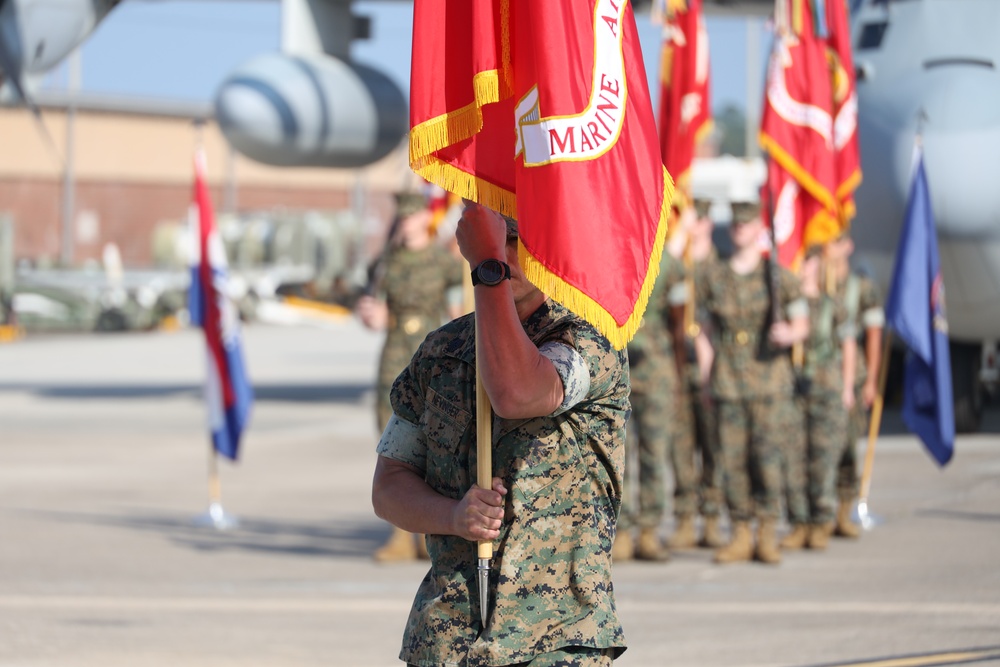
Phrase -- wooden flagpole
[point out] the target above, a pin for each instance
(873, 429)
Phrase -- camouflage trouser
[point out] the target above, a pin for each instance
(795, 470)
(647, 444)
(826, 424)
(847, 469)
(752, 435)
(694, 439)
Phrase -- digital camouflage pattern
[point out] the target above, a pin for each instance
(695, 454)
(654, 382)
(811, 472)
(738, 308)
(414, 288)
(752, 383)
(550, 582)
(866, 314)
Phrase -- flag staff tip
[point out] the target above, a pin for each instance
(922, 118)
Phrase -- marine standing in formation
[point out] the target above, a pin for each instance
(863, 306)
(655, 386)
(695, 454)
(560, 395)
(409, 299)
(826, 393)
(752, 383)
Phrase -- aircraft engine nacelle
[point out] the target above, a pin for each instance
(35, 35)
(315, 111)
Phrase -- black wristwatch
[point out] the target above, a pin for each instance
(490, 272)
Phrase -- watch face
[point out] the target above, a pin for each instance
(491, 272)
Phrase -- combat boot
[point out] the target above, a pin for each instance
(650, 547)
(819, 535)
(797, 538)
(684, 536)
(623, 548)
(740, 545)
(767, 543)
(844, 526)
(400, 546)
(712, 536)
(422, 547)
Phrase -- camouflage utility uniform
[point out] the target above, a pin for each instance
(863, 307)
(695, 440)
(753, 386)
(811, 470)
(415, 287)
(550, 581)
(653, 373)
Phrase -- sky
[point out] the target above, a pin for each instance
(183, 49)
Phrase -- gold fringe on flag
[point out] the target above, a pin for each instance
(581, 304)
(798, 172)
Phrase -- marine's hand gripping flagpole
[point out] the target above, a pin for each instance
(484, 478)
(513, 105)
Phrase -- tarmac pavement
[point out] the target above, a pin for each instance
(103, 470)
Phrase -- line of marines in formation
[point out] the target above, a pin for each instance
(748, 384)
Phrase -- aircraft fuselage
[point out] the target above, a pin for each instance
(933, 64)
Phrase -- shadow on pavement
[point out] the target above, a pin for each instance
(959, 515)
(289, 393)
(337, 538)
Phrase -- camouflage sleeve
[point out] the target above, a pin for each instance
(845, 328)
(572, 370)
(404, 442)
(796, 306)
(406, 396)
(872, 314)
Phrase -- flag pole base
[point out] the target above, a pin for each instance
(863, 517)
(218, 518)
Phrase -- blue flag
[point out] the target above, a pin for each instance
(915, 311)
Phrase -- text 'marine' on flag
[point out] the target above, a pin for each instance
(541, 111)
(809, 126)
(228, 393)
(685, 112)
(915, 310)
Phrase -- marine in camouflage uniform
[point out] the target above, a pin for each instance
(558, 485)
(695, 454)
(653, 372)
(863, 306)
(414, 285)
(810, 471)
(753, 385)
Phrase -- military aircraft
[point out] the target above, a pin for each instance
(933, 65)
(308, 105)
(311, 105)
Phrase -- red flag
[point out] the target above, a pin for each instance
(540, 110)
(685, 113)
(797, 127)
(845, 108)
(795, 213)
